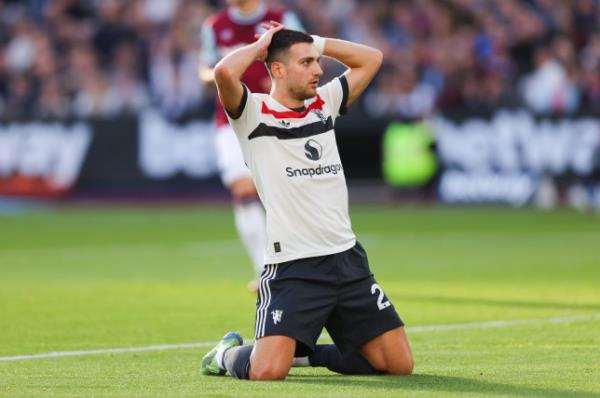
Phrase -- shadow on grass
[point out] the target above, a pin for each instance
(434, 384)
(499, 303)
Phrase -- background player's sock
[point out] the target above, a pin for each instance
(350, 363)
(237, 361)
(250, 224)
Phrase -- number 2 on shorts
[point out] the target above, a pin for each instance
(380, 303)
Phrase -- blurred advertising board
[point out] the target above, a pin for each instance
(502, 157)
(127, 154)
(498, 157)
(42, 159)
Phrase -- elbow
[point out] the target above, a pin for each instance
(377, 58)
(222, 73)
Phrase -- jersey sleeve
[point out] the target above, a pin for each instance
(249, 114)
(335, 95)
(208, 55)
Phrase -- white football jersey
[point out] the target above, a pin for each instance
(296, 167)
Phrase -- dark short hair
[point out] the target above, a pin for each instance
(281, 43)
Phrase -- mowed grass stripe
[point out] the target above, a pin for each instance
(415, 329)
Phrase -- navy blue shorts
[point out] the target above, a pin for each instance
(338, 291)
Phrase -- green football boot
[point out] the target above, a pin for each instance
(210, 365)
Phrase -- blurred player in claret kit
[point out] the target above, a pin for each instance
(317, 274)
(222, 33)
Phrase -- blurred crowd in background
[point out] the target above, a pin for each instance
(86, 58)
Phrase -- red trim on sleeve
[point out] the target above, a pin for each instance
(317, 104)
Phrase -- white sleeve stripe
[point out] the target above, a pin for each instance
(291, 21)
(208, 54)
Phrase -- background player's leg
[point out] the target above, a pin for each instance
(390, 352)
(272, 358)
(248, 211)
(249, 221)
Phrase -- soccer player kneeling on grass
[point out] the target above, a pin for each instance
(317, 274)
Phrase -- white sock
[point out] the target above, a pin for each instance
(251, 225)
(219, 357)
(300, 362)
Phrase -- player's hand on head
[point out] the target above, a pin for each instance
(264, 40)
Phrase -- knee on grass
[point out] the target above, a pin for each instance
(268, 372)
(398, 365)
(401, 368)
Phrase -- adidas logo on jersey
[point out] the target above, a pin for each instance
(284, 124)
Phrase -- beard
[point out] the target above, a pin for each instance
(303, 93)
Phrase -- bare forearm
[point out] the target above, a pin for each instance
(228, 73)
(353, 55)
(235, 64)
(363, 63)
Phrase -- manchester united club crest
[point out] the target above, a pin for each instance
(320, 115)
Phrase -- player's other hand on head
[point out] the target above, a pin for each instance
(263, 41)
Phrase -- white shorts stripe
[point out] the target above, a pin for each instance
(266, 308)
(261, 310)
(264, 298)
(261, 296)
(265, 311)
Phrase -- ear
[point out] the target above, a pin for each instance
(277, 70)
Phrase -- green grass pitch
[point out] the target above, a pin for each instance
(86, 278)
